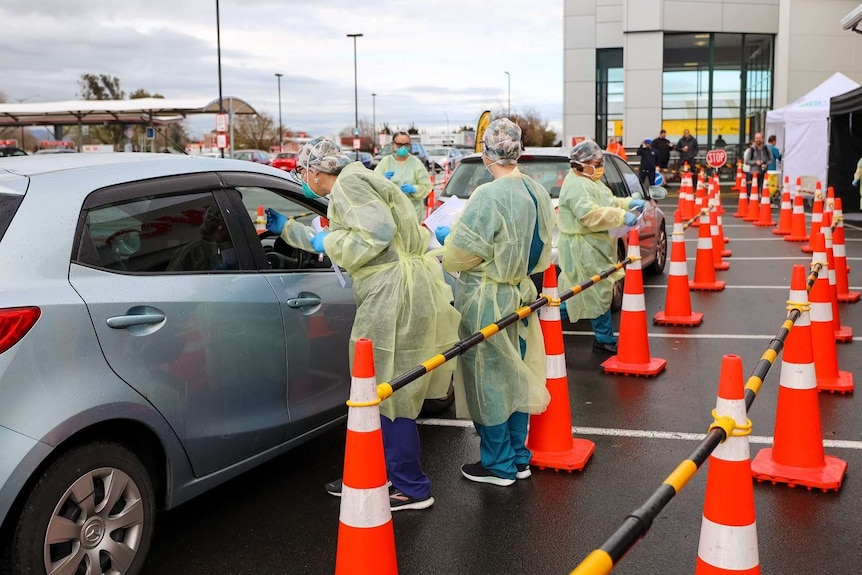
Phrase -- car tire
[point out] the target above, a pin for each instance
(617, 294)
(431, 407)
(119, 536)
(657, 265)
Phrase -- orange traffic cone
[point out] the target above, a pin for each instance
(260, 221)
(704, 264)
(816, 221)
(764, 219)
(716, 191)
(742, 206)
(797, 222)
(725, 253)
(689, 198)
(796, 456)
(728, 531)
(739, 184)
(843, 333)
(717, 243)
(550, 437)
(786, 213)
(429, 203)
(633, 357)
(699, 203)
(677, 305)
(753, 202)
(842, 278)
(823, 328)
(366, 539)
(829, 205)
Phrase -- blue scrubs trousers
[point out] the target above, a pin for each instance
(402, 450)
(505, 445)
(603, 327)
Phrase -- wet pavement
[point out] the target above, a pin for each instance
(278, 519)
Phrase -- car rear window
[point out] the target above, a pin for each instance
(471, 173)
(8, 206)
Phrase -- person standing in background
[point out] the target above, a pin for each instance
(615, 147)
(407, 172)
(688, 149)
(662, 147)
(647, 154)
(776, 154)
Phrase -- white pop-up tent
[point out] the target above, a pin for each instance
(802, 129)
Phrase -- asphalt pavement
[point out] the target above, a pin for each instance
(278, 519)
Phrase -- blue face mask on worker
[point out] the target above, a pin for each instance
(306, 189)
(402, 150)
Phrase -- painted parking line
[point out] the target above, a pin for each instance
(642, 433)
(696, 335)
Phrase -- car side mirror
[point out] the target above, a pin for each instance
(657, 192)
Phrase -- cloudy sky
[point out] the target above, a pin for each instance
(424, 60)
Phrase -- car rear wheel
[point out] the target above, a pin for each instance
(657, 266)
(91, 511)
(617, 297)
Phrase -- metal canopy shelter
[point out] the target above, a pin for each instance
(138, 111)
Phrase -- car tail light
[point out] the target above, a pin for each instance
(15, 322)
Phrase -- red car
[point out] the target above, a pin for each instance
(285, 161)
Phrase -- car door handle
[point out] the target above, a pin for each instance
(124, 321)
(300, 302)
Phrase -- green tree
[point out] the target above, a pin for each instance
(103, 87)
(534, 128)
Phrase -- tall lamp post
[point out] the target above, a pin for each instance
(509, 92)
(355, 93)
(20, 101)
(218, 53)
(447, 125)
(374, 121)
(280, 130)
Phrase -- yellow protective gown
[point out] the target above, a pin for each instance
(490, 246)
(411, 171)
(402, 302)
(587, 210)
(298, 235)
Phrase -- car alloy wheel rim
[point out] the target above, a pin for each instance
(96, 526)
(661, 248)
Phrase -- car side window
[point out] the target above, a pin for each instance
(614, 180)
(636, 188)
(185, 233)
(279, 254)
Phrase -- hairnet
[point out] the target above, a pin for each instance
(586, 151)
(323, 155)
(502, 141)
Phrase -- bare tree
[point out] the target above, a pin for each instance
(255, 131)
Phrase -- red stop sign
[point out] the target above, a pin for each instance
(716, 158)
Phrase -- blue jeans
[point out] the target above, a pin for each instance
(603, 327)
(503, 446)
(401, 446)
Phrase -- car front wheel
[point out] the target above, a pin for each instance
(91, 511)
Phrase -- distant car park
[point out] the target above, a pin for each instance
(284, 161)
(257, 156)
(443, 158)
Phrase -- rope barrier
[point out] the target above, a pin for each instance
(602, 560)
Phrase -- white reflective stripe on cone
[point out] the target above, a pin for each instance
(633, 302)
(798, 375)
(363, 390)
(704, 243)
(726, 547)
(550, 312)
(838, 251)
(785, 205)
(365, 508)
(733, 448)
(821, 311)
(832, 279)
(555, 366)
(678, 269)
(799, 296)
(634, 252)
(817, 217)
(797, 209)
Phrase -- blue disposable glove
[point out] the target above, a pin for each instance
(637, 205)
(442, 233)
(631, 219)
(855, 183)
(408, 188)
(389, 174)
(275, 221)
(317, 241)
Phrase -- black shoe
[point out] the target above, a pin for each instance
(605, 347)
(399, 501)
(475, 472)
(523, 471)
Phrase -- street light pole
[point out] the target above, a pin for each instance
(280, 130)
(21, 101)
(447, 123)
(355, 92)
(218, 51)
(509, 100)
(374, 121)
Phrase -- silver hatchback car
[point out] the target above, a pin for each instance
(153, 344)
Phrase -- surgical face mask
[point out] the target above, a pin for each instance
(306, 189)
(595, 173)
(403, 151)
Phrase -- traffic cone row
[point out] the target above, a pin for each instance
(728, 530)
(829, 378)
(366, 539)
(816, 221)
(550, 436)
(797, 222)
(704, 264)
(786, 213)
(843, 333)
(796, 456)
(677, 307)
(841, 271)
(633, 357)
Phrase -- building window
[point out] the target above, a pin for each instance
(609, 94)
(716, 84)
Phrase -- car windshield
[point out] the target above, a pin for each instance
(438, 152)
(286, 156)
(471, 173)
